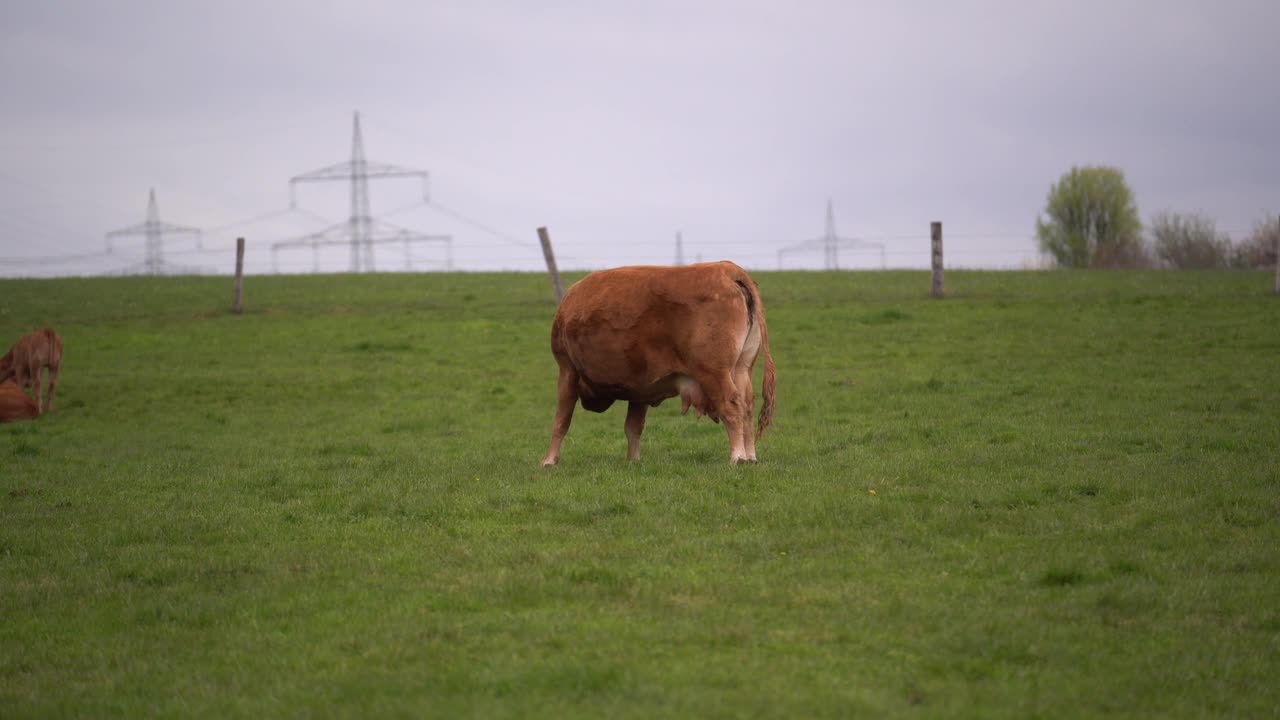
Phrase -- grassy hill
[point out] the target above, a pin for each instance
(1050, 494)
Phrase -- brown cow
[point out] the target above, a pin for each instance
(644, 334)
(33, 353)
(15, 404)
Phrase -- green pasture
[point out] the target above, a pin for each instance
(1052, 494)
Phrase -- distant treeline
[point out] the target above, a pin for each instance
(1091, 220)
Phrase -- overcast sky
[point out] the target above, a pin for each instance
(619, 124)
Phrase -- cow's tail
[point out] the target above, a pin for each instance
(770, 384)
(755, 307)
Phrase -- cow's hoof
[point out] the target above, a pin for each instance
(550, 463)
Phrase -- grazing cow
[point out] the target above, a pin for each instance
(15, 404)
(644, 334)
(33, 353)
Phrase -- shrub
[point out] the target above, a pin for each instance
(1259, 249)
(1189, 242)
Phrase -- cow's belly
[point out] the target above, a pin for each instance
(602, 395)
(612, 366)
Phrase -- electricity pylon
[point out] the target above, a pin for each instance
(361, 230)
(831, 243)
(154, 231)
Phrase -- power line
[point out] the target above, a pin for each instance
(269, 215)
(403, 209)
(50, 259)
(248, 221)
(44, 221)
(482, 227)
(56, 194)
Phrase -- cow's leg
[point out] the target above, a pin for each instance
(635, 426)
(742, 379)
(723, 395)
(53, 382)
(566, 398)
(26, 379)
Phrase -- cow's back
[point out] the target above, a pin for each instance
(41, 348)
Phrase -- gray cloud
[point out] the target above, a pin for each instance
(618, 124)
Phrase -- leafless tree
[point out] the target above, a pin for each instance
(1189, 241)
(1259, 249)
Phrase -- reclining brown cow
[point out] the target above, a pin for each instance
(15, 404)
(33, 353)
(644, 334)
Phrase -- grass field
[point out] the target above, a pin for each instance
(1053, 494)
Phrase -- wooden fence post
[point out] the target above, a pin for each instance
(235, 297)
(935, 234)
(551, 263)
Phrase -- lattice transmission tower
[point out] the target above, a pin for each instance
(154, 231)
(361, 230)
(830, 243)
